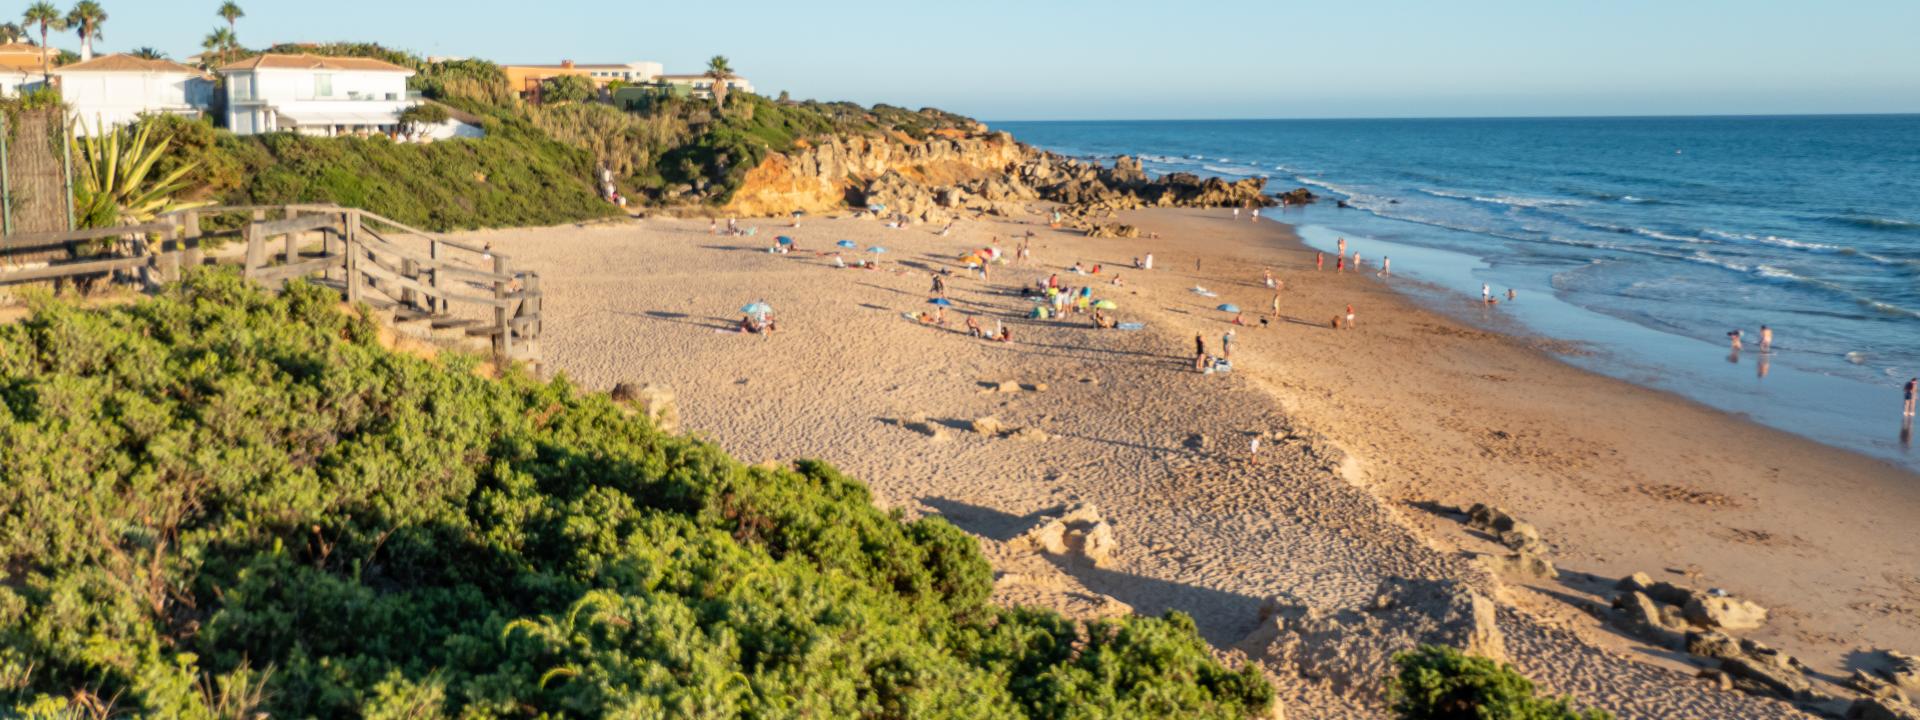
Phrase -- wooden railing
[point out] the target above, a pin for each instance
(368, 258)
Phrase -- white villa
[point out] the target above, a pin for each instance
(114, 90)
(701, 86)
(314, 95)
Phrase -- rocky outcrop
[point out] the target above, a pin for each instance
(1077, 533)
(658, 404)
(1352, 648)
(948, 176)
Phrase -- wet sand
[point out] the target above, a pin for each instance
(1373, 431)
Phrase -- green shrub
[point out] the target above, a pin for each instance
(1442, 683)
(221, 502)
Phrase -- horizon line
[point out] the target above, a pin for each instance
(1701, 116)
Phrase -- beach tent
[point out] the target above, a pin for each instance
(942, 302)
(1229, 307)
(849, 244)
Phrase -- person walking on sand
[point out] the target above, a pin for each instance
(1343, 247)
(1340, 265)
(939, 285)
(1766, 339)
(1386, 266)
(1276, 304)
(1226, 345)
(1913, 386)
(1319, 261)
(1349, 316)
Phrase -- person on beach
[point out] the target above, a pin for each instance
(1340, 265)
(1349, 316)
(1766, 339)
(1356, 261)
(713, 226)
(839, 263)
(1256, 214)
(1148, 265)
(1733, 338)
(1319, 261)
(973, 326)
(1511, 294)
(1226, 345)
(1276, 304)
(1269, 278)
(1253, 452)
(733, 227)
(1386, 266)
(1343, 247)
(1240, 319)
(1486, 293)
(939, 285)
(1913, 386)
(1236, 213)
(1199, 352)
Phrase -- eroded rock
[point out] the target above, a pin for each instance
(1353, 647)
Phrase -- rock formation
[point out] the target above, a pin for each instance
(949, 175)
(1353, 648)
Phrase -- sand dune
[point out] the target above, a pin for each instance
(1367, 431)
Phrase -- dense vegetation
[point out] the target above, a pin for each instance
(1441, 683)
(538, 163)
(221, 502)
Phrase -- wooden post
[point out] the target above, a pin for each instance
(169, 259)
(293, 241)
(437, 303)
(256, 249)
(410, 270)
(330, 245)
(354, 280)
(535, 301)
(504, 344)
(190, 254)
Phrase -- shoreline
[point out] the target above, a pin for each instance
(1160, 450)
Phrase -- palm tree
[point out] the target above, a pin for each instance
(12, 33)
(149, 53)
(230, 11)
(86, 18)
(720, 72)
(219, 41)
(47, 17)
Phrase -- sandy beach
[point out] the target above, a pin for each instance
(1372, 435)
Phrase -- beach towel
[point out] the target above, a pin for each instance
(1131, 326)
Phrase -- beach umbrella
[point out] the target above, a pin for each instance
(784, 240)
(1106, 305)
(876, 249)
(848, 244)
(1229, 307)
(757, 307)
(942, 302)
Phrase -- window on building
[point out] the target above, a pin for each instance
(323, 86)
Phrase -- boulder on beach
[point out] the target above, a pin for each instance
(1075, 532)
(1753, 667)
(1352, 648)
(1522, 563)
(1503, 526)
(658, 404)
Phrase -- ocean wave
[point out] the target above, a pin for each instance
(1657, 235)
(1446, 194)
(1217, 170)
(1868, 222)
(1526, 202)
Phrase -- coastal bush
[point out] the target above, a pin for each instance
(1442, 683)
(222, 503)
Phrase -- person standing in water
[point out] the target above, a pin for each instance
(1343, 247)
(1386, 266)
(1766, 339)
(1733, 338)
(1511, 294)
(1913, 386)
(1486, 293)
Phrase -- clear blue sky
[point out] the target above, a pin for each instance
(1074, 59)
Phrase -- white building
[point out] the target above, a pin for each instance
(21, 65)
(314, 95)
(702, 86)
(114, 90)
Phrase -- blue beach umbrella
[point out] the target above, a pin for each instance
(757, 308)
(942, 302)
(848, 244)
(784, 240)
(1229, 307)
(876, 249)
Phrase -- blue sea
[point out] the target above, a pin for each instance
(1648, 239)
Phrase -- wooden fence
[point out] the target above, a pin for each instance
(368, 258)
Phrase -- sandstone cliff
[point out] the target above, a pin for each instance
(953, 175)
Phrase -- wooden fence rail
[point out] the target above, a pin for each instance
(432, 277)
